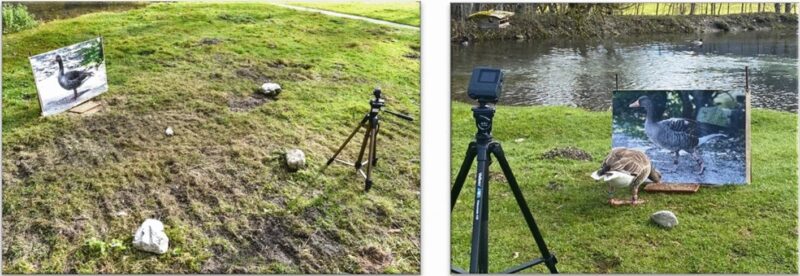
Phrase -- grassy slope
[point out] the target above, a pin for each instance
(732, 229)
(400, 12)
(218, 184)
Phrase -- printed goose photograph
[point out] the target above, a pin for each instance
(69, 76)
(709, 133)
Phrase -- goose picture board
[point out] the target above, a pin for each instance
(69, 76)
(705, 131)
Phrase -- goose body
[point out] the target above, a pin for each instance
(71, 80)
(615, 179)
(697, 43)
(626, 168)
(674, 134)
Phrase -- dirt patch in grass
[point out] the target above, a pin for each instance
(210, 41)
(571, 153)
(373, 259)
(244, 104)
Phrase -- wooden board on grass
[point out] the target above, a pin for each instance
(87, 107)
(671, 188)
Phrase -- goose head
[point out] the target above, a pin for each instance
(655, 176)
(615, 178)
(642, 101)
(60, 64)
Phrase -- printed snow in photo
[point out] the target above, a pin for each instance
(69, 76)
(691, 136)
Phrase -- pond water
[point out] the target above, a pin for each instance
(580, 72)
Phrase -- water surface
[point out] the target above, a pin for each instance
(580, 72)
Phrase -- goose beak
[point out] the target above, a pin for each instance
(634, 104)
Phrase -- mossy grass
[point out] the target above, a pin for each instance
(731, 229)
(75, 186)
(403, 12)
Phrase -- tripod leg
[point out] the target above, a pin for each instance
(483, 254)
(361, 124)
(372, 135)
(364, 144)
(462, 174)
(549, 260)
(478, 208)
(375, 142)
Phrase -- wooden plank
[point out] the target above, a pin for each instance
(85, 107)
(671, 188)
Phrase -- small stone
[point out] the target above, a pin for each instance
(169, 131)
(665, 219)
(519, 140)
(295, 159)
(121, 214)
(150, 237)
(271, 89)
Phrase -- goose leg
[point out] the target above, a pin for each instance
(635, 195)
(699, 160)
(75, 90)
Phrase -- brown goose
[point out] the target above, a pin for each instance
(626, 168)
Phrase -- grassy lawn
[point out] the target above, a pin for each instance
(701, 8)
(745, 229)
(405, 12)
(73, 186)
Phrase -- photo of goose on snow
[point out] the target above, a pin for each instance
(691, 136)
(69, 76)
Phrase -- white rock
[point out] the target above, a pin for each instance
(121, 214)
(169, 131)
(271, 89)
(519, 140)
(150, 237)
(295, 159)
(665, 219)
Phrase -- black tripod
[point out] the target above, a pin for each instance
(372, 124)
(481, 148)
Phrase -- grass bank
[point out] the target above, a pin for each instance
(400, 12)
(745, 229)
(597, 26)
(74, 186)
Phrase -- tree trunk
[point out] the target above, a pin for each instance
(691, 8)
(787, 8)
(656, 8)
(777, 7)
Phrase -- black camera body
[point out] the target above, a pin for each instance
(486, 84)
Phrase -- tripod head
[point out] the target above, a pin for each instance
(377, 104)
(483, 114)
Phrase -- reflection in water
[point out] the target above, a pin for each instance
(581, 72)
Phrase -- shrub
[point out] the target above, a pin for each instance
(17, 18)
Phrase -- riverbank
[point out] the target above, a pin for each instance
(75, 188)
(742, 229)
(597, 26)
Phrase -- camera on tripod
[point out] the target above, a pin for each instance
(370, 122)
(486, 84)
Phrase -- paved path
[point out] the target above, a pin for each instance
(350, 16)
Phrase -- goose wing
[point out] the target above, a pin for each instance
(680, 125)
(628, 161)
(77, 76)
